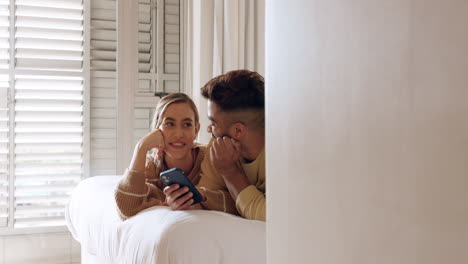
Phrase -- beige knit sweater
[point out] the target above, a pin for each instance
(138, 191)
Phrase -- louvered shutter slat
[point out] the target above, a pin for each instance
(69, 4)
(44, 22)
(48, 12)
(49, 54)
(108, 5)
(144, 47)
(48, 64)
(104, 34)
(49, 44)
(103, 45)
(103, 55)
(104, 14)
(49, 85)
(49, 33)
(103, 24)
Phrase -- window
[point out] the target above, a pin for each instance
(41, 109)
(43, 71)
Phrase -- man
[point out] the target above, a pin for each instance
(233, 173)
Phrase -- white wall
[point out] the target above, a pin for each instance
(367, 131)
(40, 248)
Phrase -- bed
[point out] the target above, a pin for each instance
(157, 234)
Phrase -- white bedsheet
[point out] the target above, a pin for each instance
(159, 235)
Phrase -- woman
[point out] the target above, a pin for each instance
(173, 132)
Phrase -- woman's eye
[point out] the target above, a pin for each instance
(169, 124)
(187, 124)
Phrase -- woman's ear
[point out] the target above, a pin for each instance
(197, 129)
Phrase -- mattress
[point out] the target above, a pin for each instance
(158, 234)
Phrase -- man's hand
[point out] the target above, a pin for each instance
(179, 198)
(225, 153)
(224, 156)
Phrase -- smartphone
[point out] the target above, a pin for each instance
(177, 176)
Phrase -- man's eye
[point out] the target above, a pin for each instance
(169, 124)
(187, 124)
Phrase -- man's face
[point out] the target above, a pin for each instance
(220, 124)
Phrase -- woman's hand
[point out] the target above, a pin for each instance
(154, 139)
(179, 198)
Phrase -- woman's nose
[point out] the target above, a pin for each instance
(179, 132)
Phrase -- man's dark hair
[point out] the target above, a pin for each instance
(236, 90)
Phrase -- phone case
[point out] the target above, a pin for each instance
(177, 176)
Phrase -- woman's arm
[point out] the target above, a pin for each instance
(153, 139)
(133, 193)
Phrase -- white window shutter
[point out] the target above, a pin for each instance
(103, 87)
(4, 110)
(48, 109)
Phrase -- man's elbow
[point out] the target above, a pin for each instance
(255, 213)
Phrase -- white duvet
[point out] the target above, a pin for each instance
(159, 235)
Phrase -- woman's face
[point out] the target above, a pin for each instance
(179, 129)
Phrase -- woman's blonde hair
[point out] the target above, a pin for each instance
(167, 100)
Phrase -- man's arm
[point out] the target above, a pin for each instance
(250, 202)
(235, 180)
(214, 189)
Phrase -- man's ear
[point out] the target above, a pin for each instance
(238, 130)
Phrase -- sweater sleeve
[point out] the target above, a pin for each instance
(134, 193)
(251, 203)
(217, 195)
(219, 200)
